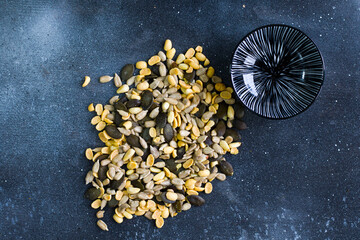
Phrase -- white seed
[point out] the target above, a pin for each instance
(105, 79)
(102, 225)
(162, 56)
(117, 80)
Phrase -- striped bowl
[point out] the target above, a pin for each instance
(277, 71)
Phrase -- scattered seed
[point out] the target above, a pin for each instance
(86, 81)
(105, 79)
(196, 200)
(102, 225)
(127, 71)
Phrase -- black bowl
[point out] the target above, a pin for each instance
(277, 71)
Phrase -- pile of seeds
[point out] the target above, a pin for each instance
(165, 133)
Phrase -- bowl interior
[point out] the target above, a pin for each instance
(277, 71)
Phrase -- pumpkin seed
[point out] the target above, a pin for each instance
(196, 200)
(239, 124)
(168, 132)
(133, 103)
(113, 132)
(146, 99)
(126, 72)
(92, 193)
(226, 168)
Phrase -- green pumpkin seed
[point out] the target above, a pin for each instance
(133, 141)
(239, 124)
(133, 103)
(113, 202)
(226, 168)
(196, 200)
(220, 128)
(168, 132)
(161, 120)
(113, 132)
(147, 99)
(127, 71)
(92, 193)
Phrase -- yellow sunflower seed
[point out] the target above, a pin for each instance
(167, 45)
(89, 153)
(86, 81)
(154, 60)
(141, 65)
(99, 109)
(91, 107)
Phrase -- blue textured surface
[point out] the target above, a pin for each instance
(294, 179)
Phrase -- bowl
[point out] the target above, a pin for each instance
(277, 71)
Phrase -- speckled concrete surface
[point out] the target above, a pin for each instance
(295, 179)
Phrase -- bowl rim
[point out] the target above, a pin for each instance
(318, 50)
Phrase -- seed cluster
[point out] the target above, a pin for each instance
(165, 135)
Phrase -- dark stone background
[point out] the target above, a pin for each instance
(295, 179)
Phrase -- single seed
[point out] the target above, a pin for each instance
(210, 72)
(91, 107)
(117, 81)
(141, 65)
(89, 154)
(96, 204)
(162, 56)
(170, 53)
(159, 176)
(142, 86)
(190, 53)
(208, 188)
(86, 81)
(105, 79)
(132, 190)
(123, 89)
(167, 45)
(159, 222)
(180, 58)
(154, 60)
(99, 109)
(102, 225)
(171, 196)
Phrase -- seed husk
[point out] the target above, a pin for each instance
(196, 200)
(233, 133)
(126, 72)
